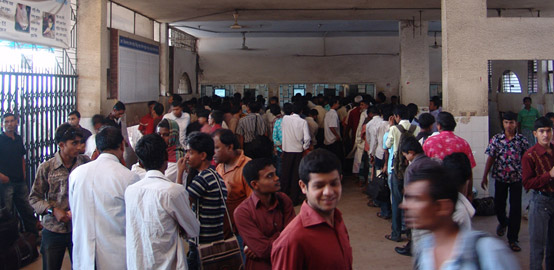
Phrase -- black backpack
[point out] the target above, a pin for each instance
(400, 163)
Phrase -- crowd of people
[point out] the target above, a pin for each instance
(212, 168)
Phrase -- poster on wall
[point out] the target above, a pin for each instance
(46, 22)
(139, 71)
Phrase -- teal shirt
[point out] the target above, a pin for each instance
(527, 118)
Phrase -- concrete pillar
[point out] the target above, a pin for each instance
(414, 63)
(92, 45)
(164, 59)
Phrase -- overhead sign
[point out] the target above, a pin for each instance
(44, 22)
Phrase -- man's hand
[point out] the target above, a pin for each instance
(485, 181)
(4, 178)
(182, 165)
(552, 172)
(249, 253)
(61, 215)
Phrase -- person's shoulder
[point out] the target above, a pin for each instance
(82, 159)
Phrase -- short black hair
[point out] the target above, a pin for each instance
(152, 102)
(402, 111)
(158, 108)
(412, 110)
(542, 122)
(381, 96)
(314, 112)
(6, 115)
(447, 121)
(227, 137)
(436, 100)
(439, 187)
(410, 143)
(287, 108)
(527, 98)
(318, 161)
(426, 120)
(274, 98)
(510, 116)
(386, 110)
(119, 106)
(458, 167)
(254, 107)
(373, 110)
(549, 115)
(176, 103)
(217, 116)
(202, 143)
(109, 138)
(97, 119)
(203, 113)
(76, 113)
(333, 101)
(177, 97)
(67, 132)
(251, 170)
(275, 109)
(297, 107)
(151, 151)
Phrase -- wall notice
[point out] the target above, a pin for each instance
(46, 22)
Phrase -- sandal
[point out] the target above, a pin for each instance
(500, 230)
(514, 246)
(389, 237)
(371, 204)
(381, 216)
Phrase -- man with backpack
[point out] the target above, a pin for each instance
(397, 134)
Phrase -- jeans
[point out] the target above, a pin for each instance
(541, 231)
(396, 186)
(277, 162)
(53, 249)
(513, 222)
(16, 195)
(528, 134)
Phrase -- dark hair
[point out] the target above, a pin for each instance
(287, 108)
(458, 167)
(381, 96)
(217, 116)
(151, 151)
(202, 143)
(67, 132)
(549, 115)
(373, 110)
(227, 137)
(333, 101)
(76, 113)
(542, 122)
(387, 111)
(436, 100)
(119, 106)
(297, 107)
(251, 170)
(511, 116)
(447, 121)
(176, 103)
(152, 102)
(235, 107)
(254, 107)
(314, 112)
(274, 98)
(109, 138)
(275, 109)
(177, 97)
(318, 161)
(97, 119)
(203, 113)
(527, 98)
(6, 115)
(158, 108)
(164, 124)
(401, 111)
(412, 110)
(393, 97)
(439, 187)
(426, 120)
(410, 143)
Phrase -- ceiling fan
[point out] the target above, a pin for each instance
(236, 25)
(244, 47)
(435, 45)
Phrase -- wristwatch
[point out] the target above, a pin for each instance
(50, 211)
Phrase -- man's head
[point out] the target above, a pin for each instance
(274, 109)
(157, 110)
(364, 104)
(216, 117)
(401, 113)
(203, 116)
(68, 139)
(109, 139)
(334, 103)
(175, 97)
(434, 103)
(550, 116)
(287, 108)
(151, 105)
(459, 171)
(297, 107)
(313, 113)
(273, 100)
(394, 100)
(226, 146)
(320, 175)
(429, 199)
(73, 118)
(151, 151)
(509, 122)
(411, 148)
(261, 176)
(9, 122)
(97, 122)
(199, 149)
(381, 98)
(426, 121)
(254, 107)
(176, 108)
(412, 110)
(118, 109)
(446, 121)
(543, 131)
(527, 102)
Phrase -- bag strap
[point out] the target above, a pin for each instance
(412, 129)
(223, 199)
(400, 128)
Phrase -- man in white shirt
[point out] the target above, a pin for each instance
(182, 119)
(331, 128)
(158, 213)
(96, 197)
(359, 143)
(296, 139)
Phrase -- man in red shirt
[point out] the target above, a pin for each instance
(261, 218)
(146, 124)
(317, 238)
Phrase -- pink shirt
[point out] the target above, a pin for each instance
(446, 143)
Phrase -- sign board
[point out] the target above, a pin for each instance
(139, 71)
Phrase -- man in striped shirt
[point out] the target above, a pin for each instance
(249, 126)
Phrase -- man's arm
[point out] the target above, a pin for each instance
(39, 190)
(4, 178)
(307, 136)
(241, 141)
(390, 139)
(485, 181)
(530, 179)
(179, 208)
(288, 255)
(23, 166)
(253, 237)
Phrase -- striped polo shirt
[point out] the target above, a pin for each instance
(209, 206)
(251, 125)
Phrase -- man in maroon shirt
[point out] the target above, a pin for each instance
(538, 174)
(317, 238)
(264, 214)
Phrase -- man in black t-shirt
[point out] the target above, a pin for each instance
(12, 173)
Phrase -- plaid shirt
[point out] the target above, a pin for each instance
(51, 190)
(507, 155)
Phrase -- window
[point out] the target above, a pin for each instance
(532, 82)
(510, 82)
(185, 86)
(549, 78)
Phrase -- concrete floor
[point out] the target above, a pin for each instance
(370, 248)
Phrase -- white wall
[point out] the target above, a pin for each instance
(184, 61)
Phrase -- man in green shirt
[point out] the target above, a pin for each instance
(526, 119)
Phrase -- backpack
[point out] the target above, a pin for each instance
(400, 163)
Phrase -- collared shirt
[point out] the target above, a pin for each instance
(507, 157)
(371, 134)
(251, 125)
(446, 143)
(209, 205)
(421, 161)
(391, 153)
(342, 112)
(146, 124)
(278, 134)
(353, 119)
(309, 242)
(527, 117)
(52, 182)
(86, 134)
(11, 157)
(321, 112)
(97, 200)
(183, 123)
(435, 114)
(331, 121)
(492, 254)
(536, 165)
(296, 134)
(157, 210)
(313, 127)
(394, 134)
(237, 188)
(259, 226)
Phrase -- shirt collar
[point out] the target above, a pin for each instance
(419, 157)
(310, 217)
(58, 162)
(240, 162)
(257, 202)
(541, 150)
(156, 174)
(108, 156)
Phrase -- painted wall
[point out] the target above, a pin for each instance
(184, 61)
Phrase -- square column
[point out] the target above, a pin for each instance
(414, 63)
